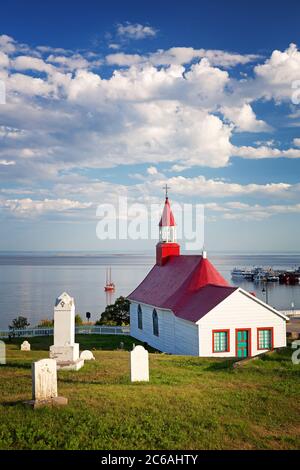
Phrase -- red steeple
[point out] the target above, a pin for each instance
(167, 245)
(167, 217)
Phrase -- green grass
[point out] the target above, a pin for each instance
(189, 403)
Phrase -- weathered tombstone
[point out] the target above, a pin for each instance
(139, 364)
(87, 355)
(44, 379)
(44, 384)
(64, 349)
(2, 353)
(25, 346)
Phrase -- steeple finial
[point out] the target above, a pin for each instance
(166, 187)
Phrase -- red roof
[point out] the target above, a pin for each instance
(167, 218)
(189, 285)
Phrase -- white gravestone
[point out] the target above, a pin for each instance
(44, 379)
(87, 355)
(139, 365)
(64, 349)
(2, 353)
(44, 384)
(25, 346)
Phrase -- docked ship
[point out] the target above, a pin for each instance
(256, 274)
(237, 273)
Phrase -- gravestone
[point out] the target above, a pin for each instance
(25, 346)
(139, 365)
(44, 379)
(2, 353)
(87, 355)
(64, 349)
(44, 385)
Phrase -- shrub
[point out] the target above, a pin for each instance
(78, 320)
(46, 323)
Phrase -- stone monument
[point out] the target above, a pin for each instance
(64, 350)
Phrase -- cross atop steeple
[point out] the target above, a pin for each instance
(166, 187)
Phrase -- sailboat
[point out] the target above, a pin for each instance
(109, 286)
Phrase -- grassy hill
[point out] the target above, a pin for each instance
(189, 403)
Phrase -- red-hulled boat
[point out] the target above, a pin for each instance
(109, 286)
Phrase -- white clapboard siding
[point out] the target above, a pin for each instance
(238, 311)
(186, 337)
(176, 336)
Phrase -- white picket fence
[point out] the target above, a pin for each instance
(291, 313)
(82, 330)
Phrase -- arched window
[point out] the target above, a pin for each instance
(155, 323)
(140, 317)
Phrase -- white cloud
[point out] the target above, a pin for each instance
(73, 62)
(75, 118)
(27, 85)
(4, 60)
(135, 31)
(31, 63)
(296, 141)
(181, 56)
(30, 207)
(245, 119)
(277, 73)
(7, 162)
(122, 59)
(264, 152)
(184, 55)
(248, 212)
(201, 187)
(114, 46)
(7, 44)
(152, 170)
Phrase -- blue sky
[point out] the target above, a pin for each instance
(104, 100)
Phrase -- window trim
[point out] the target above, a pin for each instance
(140, 317)
(155, 315)
(228, 340)
(270, 328)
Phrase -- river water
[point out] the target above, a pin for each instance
(29, 283)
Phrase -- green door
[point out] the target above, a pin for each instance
(242, 343)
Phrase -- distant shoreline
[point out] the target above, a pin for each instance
(150, 253)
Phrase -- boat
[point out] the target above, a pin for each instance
(237, 273)
(109, 286)
(261, 276)
(246, 274)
